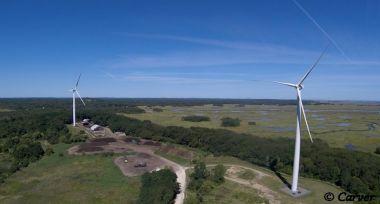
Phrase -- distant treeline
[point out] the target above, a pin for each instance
(356, 172)
(120, 104)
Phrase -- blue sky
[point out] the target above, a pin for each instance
(206, 49)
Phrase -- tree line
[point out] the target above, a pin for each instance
(121, 104)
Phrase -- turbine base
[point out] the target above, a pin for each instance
(300, 193)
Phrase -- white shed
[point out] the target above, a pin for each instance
(95, 127)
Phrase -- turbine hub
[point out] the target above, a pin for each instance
(300, 86)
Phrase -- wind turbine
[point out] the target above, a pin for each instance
(75, 92)
(300, 108)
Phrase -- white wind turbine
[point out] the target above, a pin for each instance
(75, 92)
(300, 109)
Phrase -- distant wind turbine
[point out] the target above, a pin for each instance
(300, 108)
(76, 92)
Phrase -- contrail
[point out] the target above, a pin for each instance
(322, 30)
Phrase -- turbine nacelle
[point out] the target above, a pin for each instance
(300, 87)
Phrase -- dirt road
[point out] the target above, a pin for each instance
(264, 191)
(179, 170)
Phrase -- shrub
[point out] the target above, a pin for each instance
(218, 173)
(49, 151)
(158, 110)
(107, 154)
(377, 151)
(230, 122)
(195, 118)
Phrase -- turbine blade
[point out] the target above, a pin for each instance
(80, 97)
(304, 114)
(314, 65)
(76, 86)
(322, 30)
(286, 84)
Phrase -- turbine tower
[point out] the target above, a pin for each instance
(300, 108)
(75, 92)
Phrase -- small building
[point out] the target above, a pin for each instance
(96, 127)
(86, 122)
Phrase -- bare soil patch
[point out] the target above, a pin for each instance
(95, 145)
(89, 148)
(171, 149)
(131, 168)
(103, 141)
(100, 145)
(152, 143)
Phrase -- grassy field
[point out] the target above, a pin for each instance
(5, 110)
(70, 179)
(228, 193)
(343, 126)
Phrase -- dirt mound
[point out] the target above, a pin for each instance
(171, 149)
(95, 145)
(127, 139)
(89, 148)
(103, 141)
(152, 143)
(144, 155)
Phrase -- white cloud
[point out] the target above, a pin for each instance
(168, 78)
(228, 53)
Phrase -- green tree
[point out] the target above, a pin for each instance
(200, 171)
(218, 173)
(357, 186)
(159, 187)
